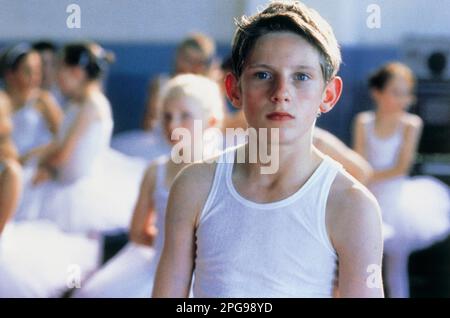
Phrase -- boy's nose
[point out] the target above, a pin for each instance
(280, 91)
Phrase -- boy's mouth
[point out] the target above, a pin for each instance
(279, 116)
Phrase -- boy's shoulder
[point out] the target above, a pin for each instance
(192, 185)
(202, 170)
(350, 203)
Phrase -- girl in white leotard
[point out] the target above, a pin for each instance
(416, 208)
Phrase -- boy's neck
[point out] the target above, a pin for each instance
(295, 161)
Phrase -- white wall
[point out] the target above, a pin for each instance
(170, 20)
(399, 18)
(118, 20)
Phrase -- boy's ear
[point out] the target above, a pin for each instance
(233, 91)
(331, 94)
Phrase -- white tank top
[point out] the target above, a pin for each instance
(30, 129)
(382, 153)
(277, 249)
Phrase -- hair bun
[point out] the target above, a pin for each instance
(109, 57)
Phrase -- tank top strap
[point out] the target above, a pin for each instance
(369, 124)
(223, 163)
(326, 171)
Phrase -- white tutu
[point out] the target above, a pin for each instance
(96, 188)
(417, 208)
(38, 260)
(129, 274)
(103, 201)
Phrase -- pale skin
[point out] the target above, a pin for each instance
(390, 114)
(74, 84)
(10, 189)
(285, 81)
(11, 174)
(178, 112)
(22, 86)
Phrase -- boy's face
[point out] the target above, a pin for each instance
(282, 86)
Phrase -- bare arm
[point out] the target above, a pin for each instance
(10, 190)
(407, 153)
(355, 229)
(151, 107)
(354, 163)
(174, 274)
(142, 229)
(359, 137)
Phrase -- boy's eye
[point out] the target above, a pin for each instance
(263, 75)
(302, 77)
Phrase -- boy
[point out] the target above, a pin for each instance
(293, 233)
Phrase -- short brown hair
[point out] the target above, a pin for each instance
(293, 17)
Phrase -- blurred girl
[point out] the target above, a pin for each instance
(36, 114)
(417, 208)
